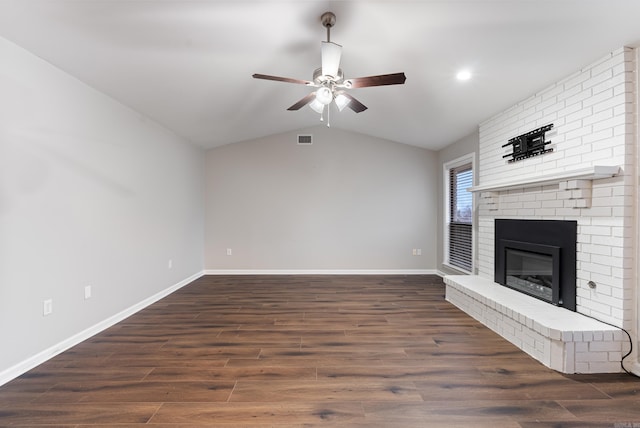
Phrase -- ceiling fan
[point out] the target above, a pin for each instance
(330, 82)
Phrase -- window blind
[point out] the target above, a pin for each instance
(460, 217)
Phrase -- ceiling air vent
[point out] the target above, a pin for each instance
(305, 140)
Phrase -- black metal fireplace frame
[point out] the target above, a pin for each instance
(553, 237)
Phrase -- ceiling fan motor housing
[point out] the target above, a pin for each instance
(321, 79)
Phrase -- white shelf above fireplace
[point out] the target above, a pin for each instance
(595, 172)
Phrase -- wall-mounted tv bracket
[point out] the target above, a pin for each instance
(528, 145)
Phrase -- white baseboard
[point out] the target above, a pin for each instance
(34, 361)
(320, 272)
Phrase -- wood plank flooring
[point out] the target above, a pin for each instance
(294, 351)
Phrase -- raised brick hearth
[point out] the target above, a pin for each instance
(561, 339)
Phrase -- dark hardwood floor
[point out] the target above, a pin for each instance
(293, 351)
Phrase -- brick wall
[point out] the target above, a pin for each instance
(593, 114)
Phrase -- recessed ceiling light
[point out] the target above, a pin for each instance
(463, 75)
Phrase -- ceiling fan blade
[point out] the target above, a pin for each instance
(282, 79)
(354, 104)
(303, 102)
(381, 80)
(331, 53)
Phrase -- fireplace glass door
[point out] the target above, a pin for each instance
(530, 273)
(533, 269)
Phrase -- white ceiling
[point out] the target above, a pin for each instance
(188, 64)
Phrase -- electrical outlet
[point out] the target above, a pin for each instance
(229, 252)
(419, 252)
(87, 292)
(47, 307)
(414, 252)
(170, 264)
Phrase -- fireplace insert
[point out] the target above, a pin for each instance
(538, 258)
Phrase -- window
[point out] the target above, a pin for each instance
(459, 242)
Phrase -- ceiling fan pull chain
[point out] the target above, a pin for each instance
(329, 116)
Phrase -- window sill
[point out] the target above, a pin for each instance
(457, 269)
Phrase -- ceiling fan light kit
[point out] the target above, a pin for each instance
(329, 79)
(324, 95)
(341, 100)
(317, 106)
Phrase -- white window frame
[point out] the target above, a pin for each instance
(447, 167)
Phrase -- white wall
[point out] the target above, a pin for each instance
(91, 193)
(593, 113)
(347, 202)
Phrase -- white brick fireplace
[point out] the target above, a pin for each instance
(589, 177)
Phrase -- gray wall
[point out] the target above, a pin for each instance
(91, 194)
(466, 145)
(347, 202)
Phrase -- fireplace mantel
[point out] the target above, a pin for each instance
(595, 172)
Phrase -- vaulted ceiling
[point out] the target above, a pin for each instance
(188, 63)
